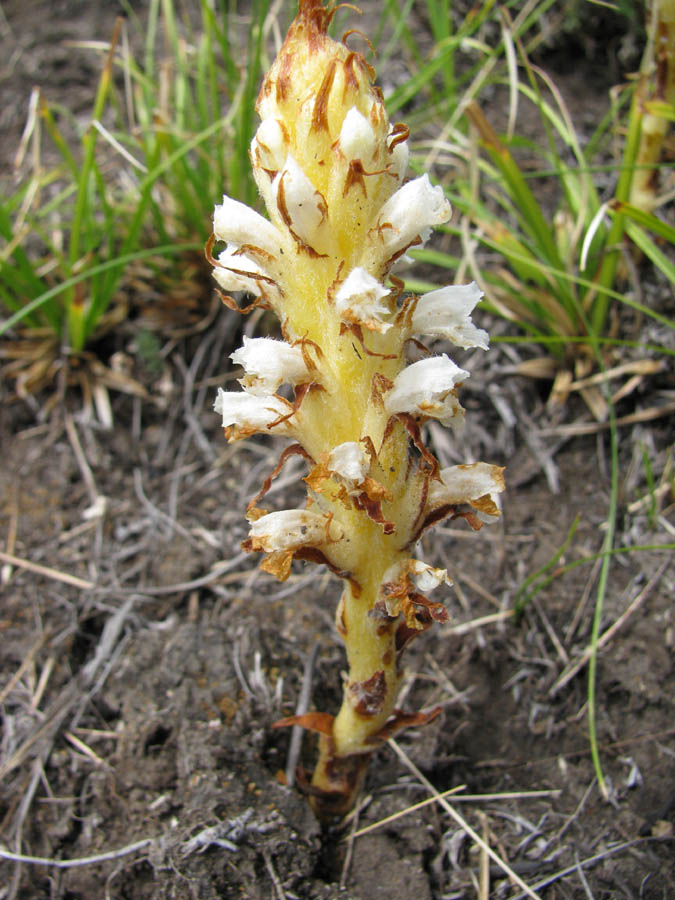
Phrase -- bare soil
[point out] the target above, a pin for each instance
(142, 669)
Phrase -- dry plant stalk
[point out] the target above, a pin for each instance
(655, 88)
(330, 168)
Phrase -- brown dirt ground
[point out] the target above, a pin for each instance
(137, 704)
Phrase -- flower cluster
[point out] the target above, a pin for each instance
(331, 170)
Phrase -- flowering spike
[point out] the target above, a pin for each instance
(330, 168)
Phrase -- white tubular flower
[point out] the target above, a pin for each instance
(446, 312)
(250, 414)
(300, 205)
(358, 300)
(424, 576)
(238, 224)
(268, 364)
(349, 463)
(410, 213)
(476, 484)
(427, 388)
(230, 274)
(269, 147)
(357, 137)
(291, 529)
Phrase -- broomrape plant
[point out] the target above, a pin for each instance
(330, 168)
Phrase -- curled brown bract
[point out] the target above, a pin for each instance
(401, 720)
(291, 450)
(399, 134)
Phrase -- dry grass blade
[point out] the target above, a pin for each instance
(71, 695)
(634, 367)
(461, 821)
(589, 861)
(278, 887)
(25, 663)
(484, 882)
(409, 809)
(74, 863)
(459, 798)
(295, 745)
(474, 624)
(569, 674)
(644, 415)
(47, 571)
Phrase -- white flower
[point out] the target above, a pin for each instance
(238, 224)
(468, 484)
(269, 146)
(427, 388)
(424, 576)
(350, 463)
(410, 213)
(230, 274)
(300, 205)
(357, 137)
(446, 312)
(268, 364)
(291, 529)
(250, 414)
(358, 300)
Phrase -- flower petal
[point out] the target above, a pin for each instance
(291, 529)
(249, 414)
(426, 577)
(230, 272)
(427, 388)
(268, 364)
(410, 213)
(350, 463)
(358, 300)
(238, 224)
(400, 592)
(476, 484)
(446, 312)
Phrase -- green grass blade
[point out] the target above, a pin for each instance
(646, 220)
(524, 594)
(173, 249)
(642, 240)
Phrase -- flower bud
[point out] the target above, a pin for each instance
(300, 205)
(269, 147)
(357, 137)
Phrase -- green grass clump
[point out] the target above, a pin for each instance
(169, 130)
(562, 268)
